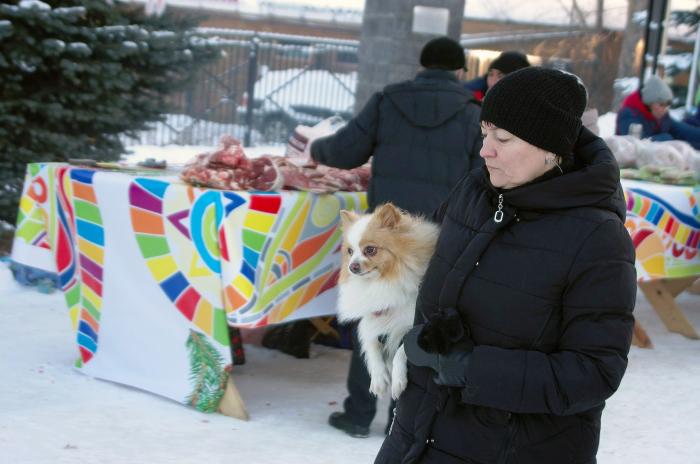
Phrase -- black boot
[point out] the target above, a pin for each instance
(340, 421)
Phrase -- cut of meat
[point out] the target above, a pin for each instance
(230, 169)
(266, 175)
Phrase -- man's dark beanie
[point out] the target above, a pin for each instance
(541, 106)
(442, 53)
(510, 61)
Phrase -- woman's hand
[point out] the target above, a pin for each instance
(443, 330)
(450, 369)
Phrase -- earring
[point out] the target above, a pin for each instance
(553, 160)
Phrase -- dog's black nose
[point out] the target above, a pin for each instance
(355, 268)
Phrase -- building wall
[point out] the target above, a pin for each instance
(283, 26)
(591, 55)
(234, 20)
(389, 49)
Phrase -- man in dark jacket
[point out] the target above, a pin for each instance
(422, 135)
(506, 63)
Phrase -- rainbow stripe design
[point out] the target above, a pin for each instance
(273, 252)
(177, 231)
(64, 245)
(289, 256)
(251, 258)
(90, 237)
(32, 217)
(45, 220)
(666, 236)
(59, 212)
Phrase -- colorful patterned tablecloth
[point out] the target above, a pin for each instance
(154, 271)
(664, 222)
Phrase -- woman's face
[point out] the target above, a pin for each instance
(510, 160)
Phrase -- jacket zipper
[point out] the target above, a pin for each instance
(498, 216)
(512, 428)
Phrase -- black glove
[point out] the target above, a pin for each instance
(444, 330)
(415, 354)
(450, 369)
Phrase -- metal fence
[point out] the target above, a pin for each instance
(266, 84)
(263, 86)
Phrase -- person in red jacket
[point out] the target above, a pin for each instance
(648, 108)
(506, 63)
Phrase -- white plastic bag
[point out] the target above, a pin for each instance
(659, 154)
(624, 149)
(686, 151)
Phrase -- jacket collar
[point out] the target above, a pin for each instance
(437, 74)
(593, 181)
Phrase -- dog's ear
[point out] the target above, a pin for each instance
(347, 217)
(389, 215)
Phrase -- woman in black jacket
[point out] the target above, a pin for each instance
(524, 318)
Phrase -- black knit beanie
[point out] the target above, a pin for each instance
(541, 106)
(509, 61)
(442, 53)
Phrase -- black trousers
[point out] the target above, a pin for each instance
(360, 405)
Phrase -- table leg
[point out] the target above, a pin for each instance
(323, 326)
(661, 294)
(640, 337)
(232, 404)
(695, 288)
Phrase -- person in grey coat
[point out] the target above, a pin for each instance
(422, 135)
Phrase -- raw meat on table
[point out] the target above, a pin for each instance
(230, 169)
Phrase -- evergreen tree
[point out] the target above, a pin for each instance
(686, 17)
(75, 74)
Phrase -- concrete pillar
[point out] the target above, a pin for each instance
(389, 49)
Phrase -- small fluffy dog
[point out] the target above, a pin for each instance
(385, 255)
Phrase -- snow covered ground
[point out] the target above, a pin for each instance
(183, 129)
(51, 413)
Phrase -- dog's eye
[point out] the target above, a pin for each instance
(349, 251)
(370, 251)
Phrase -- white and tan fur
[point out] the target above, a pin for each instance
(385, 255)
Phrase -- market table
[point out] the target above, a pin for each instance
(155, 271)
(664, 223)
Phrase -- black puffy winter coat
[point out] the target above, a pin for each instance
(423, 134)
(548, 295)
